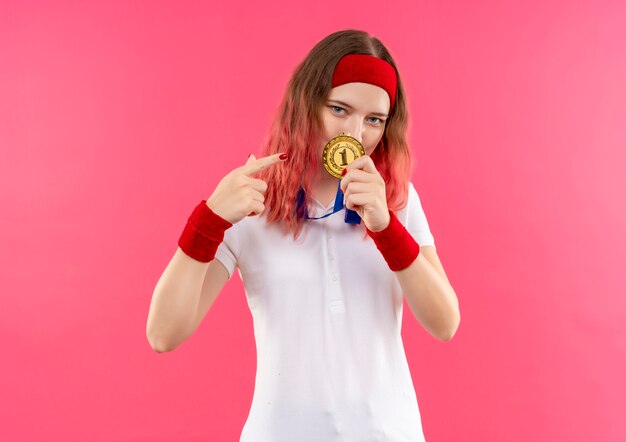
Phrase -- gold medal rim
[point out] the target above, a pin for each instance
(326, 158)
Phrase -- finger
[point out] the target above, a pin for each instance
(252, 167)
(364, 163)
(258, 185)
(357, 199)
(257, 196)
(356, 175)
(355, 187)
(257, 208)
(251, 159)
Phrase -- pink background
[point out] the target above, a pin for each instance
(117, 118)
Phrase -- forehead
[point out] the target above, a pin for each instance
(362, 96)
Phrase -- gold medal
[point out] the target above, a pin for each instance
(339, 152)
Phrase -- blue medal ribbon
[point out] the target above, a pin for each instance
(351, 216)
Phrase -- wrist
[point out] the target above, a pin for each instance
(384, 225)
(203, 233)
(396, 244)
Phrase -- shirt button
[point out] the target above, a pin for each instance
(334, 277)
(331, 257)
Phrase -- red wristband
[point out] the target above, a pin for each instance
(203, 233)
(396, 244)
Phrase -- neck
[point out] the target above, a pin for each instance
(325, 188)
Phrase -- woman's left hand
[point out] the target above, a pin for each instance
(364, 192)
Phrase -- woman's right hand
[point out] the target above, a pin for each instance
(238, 194)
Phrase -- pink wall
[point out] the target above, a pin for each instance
(116, 119)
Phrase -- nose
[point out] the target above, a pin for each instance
(355, 130)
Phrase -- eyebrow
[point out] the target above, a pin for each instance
(378, 114)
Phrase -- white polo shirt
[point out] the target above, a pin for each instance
(327, 314)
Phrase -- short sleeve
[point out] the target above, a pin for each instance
(417, 225)
(228, 250)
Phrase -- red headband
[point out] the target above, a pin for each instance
(363, 68)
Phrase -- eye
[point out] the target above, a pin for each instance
(336, 109)
(378, 120)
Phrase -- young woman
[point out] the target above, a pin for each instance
(325, 292)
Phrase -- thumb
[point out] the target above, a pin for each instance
(251, 158)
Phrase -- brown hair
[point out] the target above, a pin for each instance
(297, 128)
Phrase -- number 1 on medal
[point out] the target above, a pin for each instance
(344, 158)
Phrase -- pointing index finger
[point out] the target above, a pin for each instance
(261, 163)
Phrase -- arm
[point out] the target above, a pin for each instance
(430, 295)
(425, 285)
(193, 278)
(184, 293)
